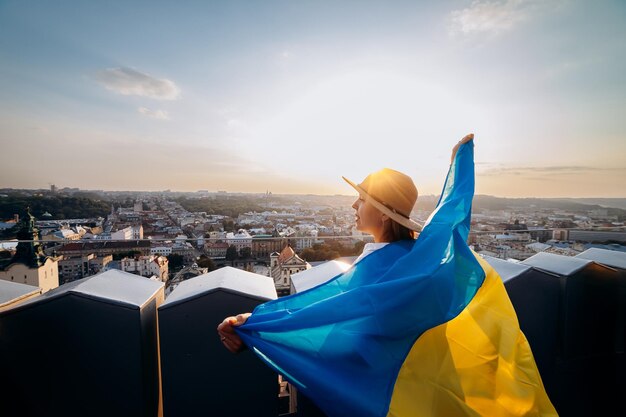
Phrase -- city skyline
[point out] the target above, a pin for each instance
(290, 96)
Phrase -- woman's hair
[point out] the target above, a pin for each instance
(395, 231)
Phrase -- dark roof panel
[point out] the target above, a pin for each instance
(14, 291)
(116, 287)
(227, 278)
(612, 258)
(317, 275)
(119, 286)
(557, 264)
(507, 270)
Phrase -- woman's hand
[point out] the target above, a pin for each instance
(228, 336)
(466, 139)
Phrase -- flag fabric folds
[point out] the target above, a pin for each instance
(417, 328)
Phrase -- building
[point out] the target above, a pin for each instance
(146, 266)
(185, 250)
(161, 250)
(540, 234)
(98, 263)
(128, 233)
(104, 247)
(184, 274)
(216, 250)
(241, 239)
(264, 245)
(76, 267)
(560, 234)
(216, 235)
(282, 265)
(137, 231)
(62, 234)
(30, 265)
(597, 236)
(73, 268)
(306, 242)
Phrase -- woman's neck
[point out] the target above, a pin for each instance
(382, 237)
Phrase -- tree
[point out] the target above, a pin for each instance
(231, 254)
(206, 262)
(245, 253)
(319, 253)
(331, 249)
(228, 225)
(175, 261)
(128, 254)
(61, 207)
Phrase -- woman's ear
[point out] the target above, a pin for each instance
(384, 217)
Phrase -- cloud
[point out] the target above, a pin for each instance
(156, 114)
(546, 170)
(130, 82)
(491, 17)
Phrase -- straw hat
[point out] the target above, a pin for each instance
(391, 192)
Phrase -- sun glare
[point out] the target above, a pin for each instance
(357, 122)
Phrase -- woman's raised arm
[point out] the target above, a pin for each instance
(466, 139)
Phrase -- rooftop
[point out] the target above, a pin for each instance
(163, 356)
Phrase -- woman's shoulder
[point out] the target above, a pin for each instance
(385, 250)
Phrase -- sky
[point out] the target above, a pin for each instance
(288, 96)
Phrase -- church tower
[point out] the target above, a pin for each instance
(29, 265)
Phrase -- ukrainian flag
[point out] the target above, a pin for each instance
(417, 328)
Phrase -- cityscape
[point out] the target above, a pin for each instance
(198, 257)
(172, 236)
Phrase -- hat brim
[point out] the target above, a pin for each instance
(399, 218)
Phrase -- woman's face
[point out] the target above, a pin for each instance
(368, 218)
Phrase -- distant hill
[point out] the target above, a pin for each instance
(604, 202)
(87, 204)
(59, 206)
(614, 206)
(498, 203)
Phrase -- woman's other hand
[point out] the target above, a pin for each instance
(228, 336)
(466, 139)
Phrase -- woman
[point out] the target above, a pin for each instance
(415, 327)
(386, 199)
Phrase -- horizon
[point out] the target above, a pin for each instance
(430, 195)
(289, 97)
